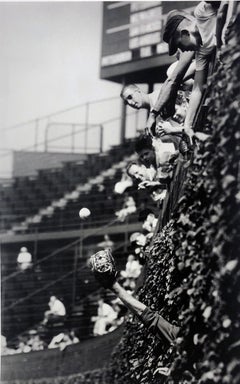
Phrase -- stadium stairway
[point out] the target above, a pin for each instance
(26, 197)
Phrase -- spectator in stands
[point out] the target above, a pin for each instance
(106, 243)
(139, 241)
(150, 222)
(24, 259)
(62, 340)
(128, 208)
(57, 311)
(105, 317)
(120, 311)
(196, 34)
(131, 272)
(34, 341)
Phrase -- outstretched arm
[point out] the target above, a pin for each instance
(195, 99)
(170, 87)
(165, 103)
(154, 322)
(131, 303)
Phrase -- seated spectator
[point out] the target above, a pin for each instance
(24, 259)
(23, 347)
(129, 207)
(73, 337)
(132, 269)
(34, 341)
(62, 340)
(105, 317)
(57, 311)
(196, 34)
(138, 238)
(107, 243)
(150, 222)
(131, 272)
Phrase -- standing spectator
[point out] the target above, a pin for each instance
(24, 259)
(56, 312)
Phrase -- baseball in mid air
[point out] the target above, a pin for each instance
(84, 213)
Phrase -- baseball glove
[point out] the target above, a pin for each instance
(103, 267)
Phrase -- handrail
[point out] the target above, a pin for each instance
(100, 125)
(58, 112)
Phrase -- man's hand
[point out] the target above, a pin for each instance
(103, 267)
(150, 124)
(164, 128)
(148, 183)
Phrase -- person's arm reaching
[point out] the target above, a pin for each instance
(195, 99)
(154, 322)
(165, 103)
(131, 303)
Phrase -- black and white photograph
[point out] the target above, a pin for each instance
(119, 192)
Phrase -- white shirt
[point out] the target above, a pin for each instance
(57, 308)
(206, 18)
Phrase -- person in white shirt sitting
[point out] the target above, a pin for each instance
(105, 317)
(57, 311)
(24, 259)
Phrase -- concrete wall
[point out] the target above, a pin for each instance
(27, 163)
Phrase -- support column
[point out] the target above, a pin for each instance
(123, 118)
(150, 90)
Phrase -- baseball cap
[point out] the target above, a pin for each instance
(174, 18)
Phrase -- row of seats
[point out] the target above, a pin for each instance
(26, 195)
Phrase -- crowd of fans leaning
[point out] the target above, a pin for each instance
(196, 40)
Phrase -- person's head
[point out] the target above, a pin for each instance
(131, 258)
(145, 151)
(134, 97)
(52, 299)
(181, 108)
(181, 31)
(100, 301)
(136, 171)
